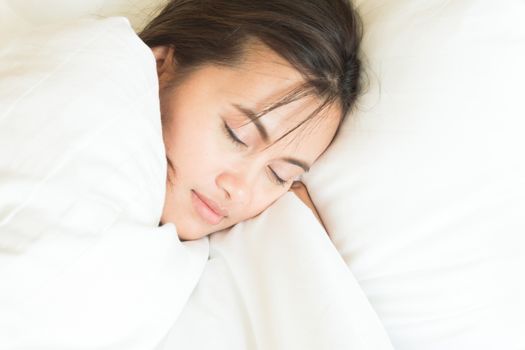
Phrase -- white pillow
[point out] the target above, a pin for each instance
(424, 191)
(83, 263)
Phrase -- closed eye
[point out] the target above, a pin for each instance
(276, 177)
(231, 135)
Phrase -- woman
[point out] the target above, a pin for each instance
(252, 93)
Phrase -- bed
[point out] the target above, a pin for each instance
(422, 196)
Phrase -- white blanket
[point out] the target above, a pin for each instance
(83, 264)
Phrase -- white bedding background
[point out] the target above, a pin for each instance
(82, 179)
(423, 195)
(424, 192)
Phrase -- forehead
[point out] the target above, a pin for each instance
(263, 76)
(262, 79)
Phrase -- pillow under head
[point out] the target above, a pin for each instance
(423, 193)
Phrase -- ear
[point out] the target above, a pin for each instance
(165, 62)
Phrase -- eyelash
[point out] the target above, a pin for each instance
(233, 137)
(277, 179)
(230, 134)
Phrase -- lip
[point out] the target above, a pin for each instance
(207, 209)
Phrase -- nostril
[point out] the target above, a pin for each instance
(235, 187)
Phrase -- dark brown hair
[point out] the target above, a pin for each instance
(320, 38)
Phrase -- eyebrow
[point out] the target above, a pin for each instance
(297, 162)
(252, 115)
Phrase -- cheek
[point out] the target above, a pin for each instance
(262, 199)
(187, 145)
(192, 157)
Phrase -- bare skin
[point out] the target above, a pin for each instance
(217, 155)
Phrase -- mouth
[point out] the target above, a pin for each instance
(207, 209)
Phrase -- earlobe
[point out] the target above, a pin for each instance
(164, 57)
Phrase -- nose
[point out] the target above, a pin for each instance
(235, 187)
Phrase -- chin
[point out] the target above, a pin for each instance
(189, 227)
(190, 231)
(198, 233)
(191, 236)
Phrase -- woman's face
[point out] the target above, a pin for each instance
(217, 155)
